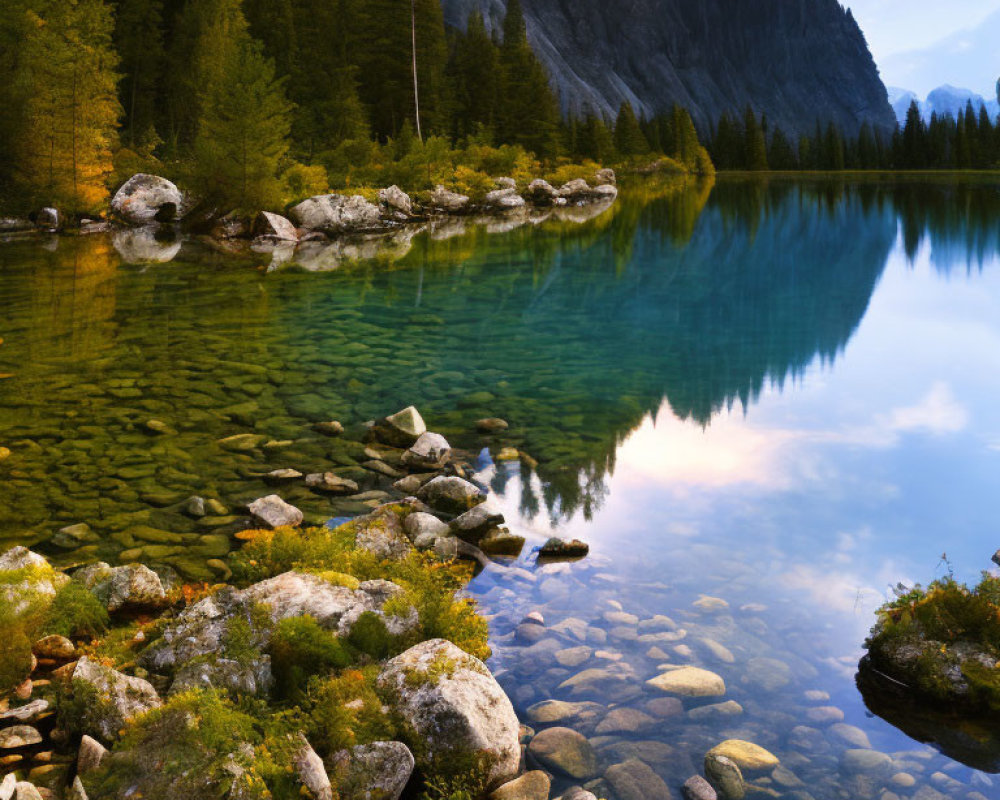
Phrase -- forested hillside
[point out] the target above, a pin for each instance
(257, 102)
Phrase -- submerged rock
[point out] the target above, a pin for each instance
(746, 755)
(454, 706)
(689, 682)
(635, 780)
(725, 777)
(144, 199)
(565, 751)
(492, 425)
(532, 785)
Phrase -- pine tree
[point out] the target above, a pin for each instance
(780, 154)
(139, 41)
(473, 70)
(594, 140)
(685, 147)
(629, 140)
(383, 53)
(529, 111)
(70, 118)
(867, 150)
(243, 127)
(205, 32)
(754, 143)
(913, 148)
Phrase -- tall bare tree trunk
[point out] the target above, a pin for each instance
(416, 85)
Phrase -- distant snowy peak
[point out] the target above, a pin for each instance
(941, 101)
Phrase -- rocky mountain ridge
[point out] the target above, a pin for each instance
(798, 61)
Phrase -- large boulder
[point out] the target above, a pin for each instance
(144, 199)
(336, 213)
(454, 707)
(132, 586)
(201, 632)
(275, 227)
(448, 202)
(117, 698)
(376, 771)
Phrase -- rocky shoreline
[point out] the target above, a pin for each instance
(147, 207)
(136, 645)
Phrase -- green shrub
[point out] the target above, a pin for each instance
(184, 749)
(17, 632)
(370, 636)
(76, 612)
(345, 710)
(301, 649)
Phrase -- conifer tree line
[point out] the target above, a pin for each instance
(946, 142)
(255, 101)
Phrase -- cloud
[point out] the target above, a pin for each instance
(938, 413)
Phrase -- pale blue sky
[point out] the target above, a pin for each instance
(896, 28)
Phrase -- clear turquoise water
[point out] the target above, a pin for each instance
(780, 396)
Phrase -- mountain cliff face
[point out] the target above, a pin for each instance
(798, 61)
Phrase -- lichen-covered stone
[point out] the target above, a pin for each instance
(119, 698)
(132, 586)
(144, 199)
(454, 706)
(376, 771)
